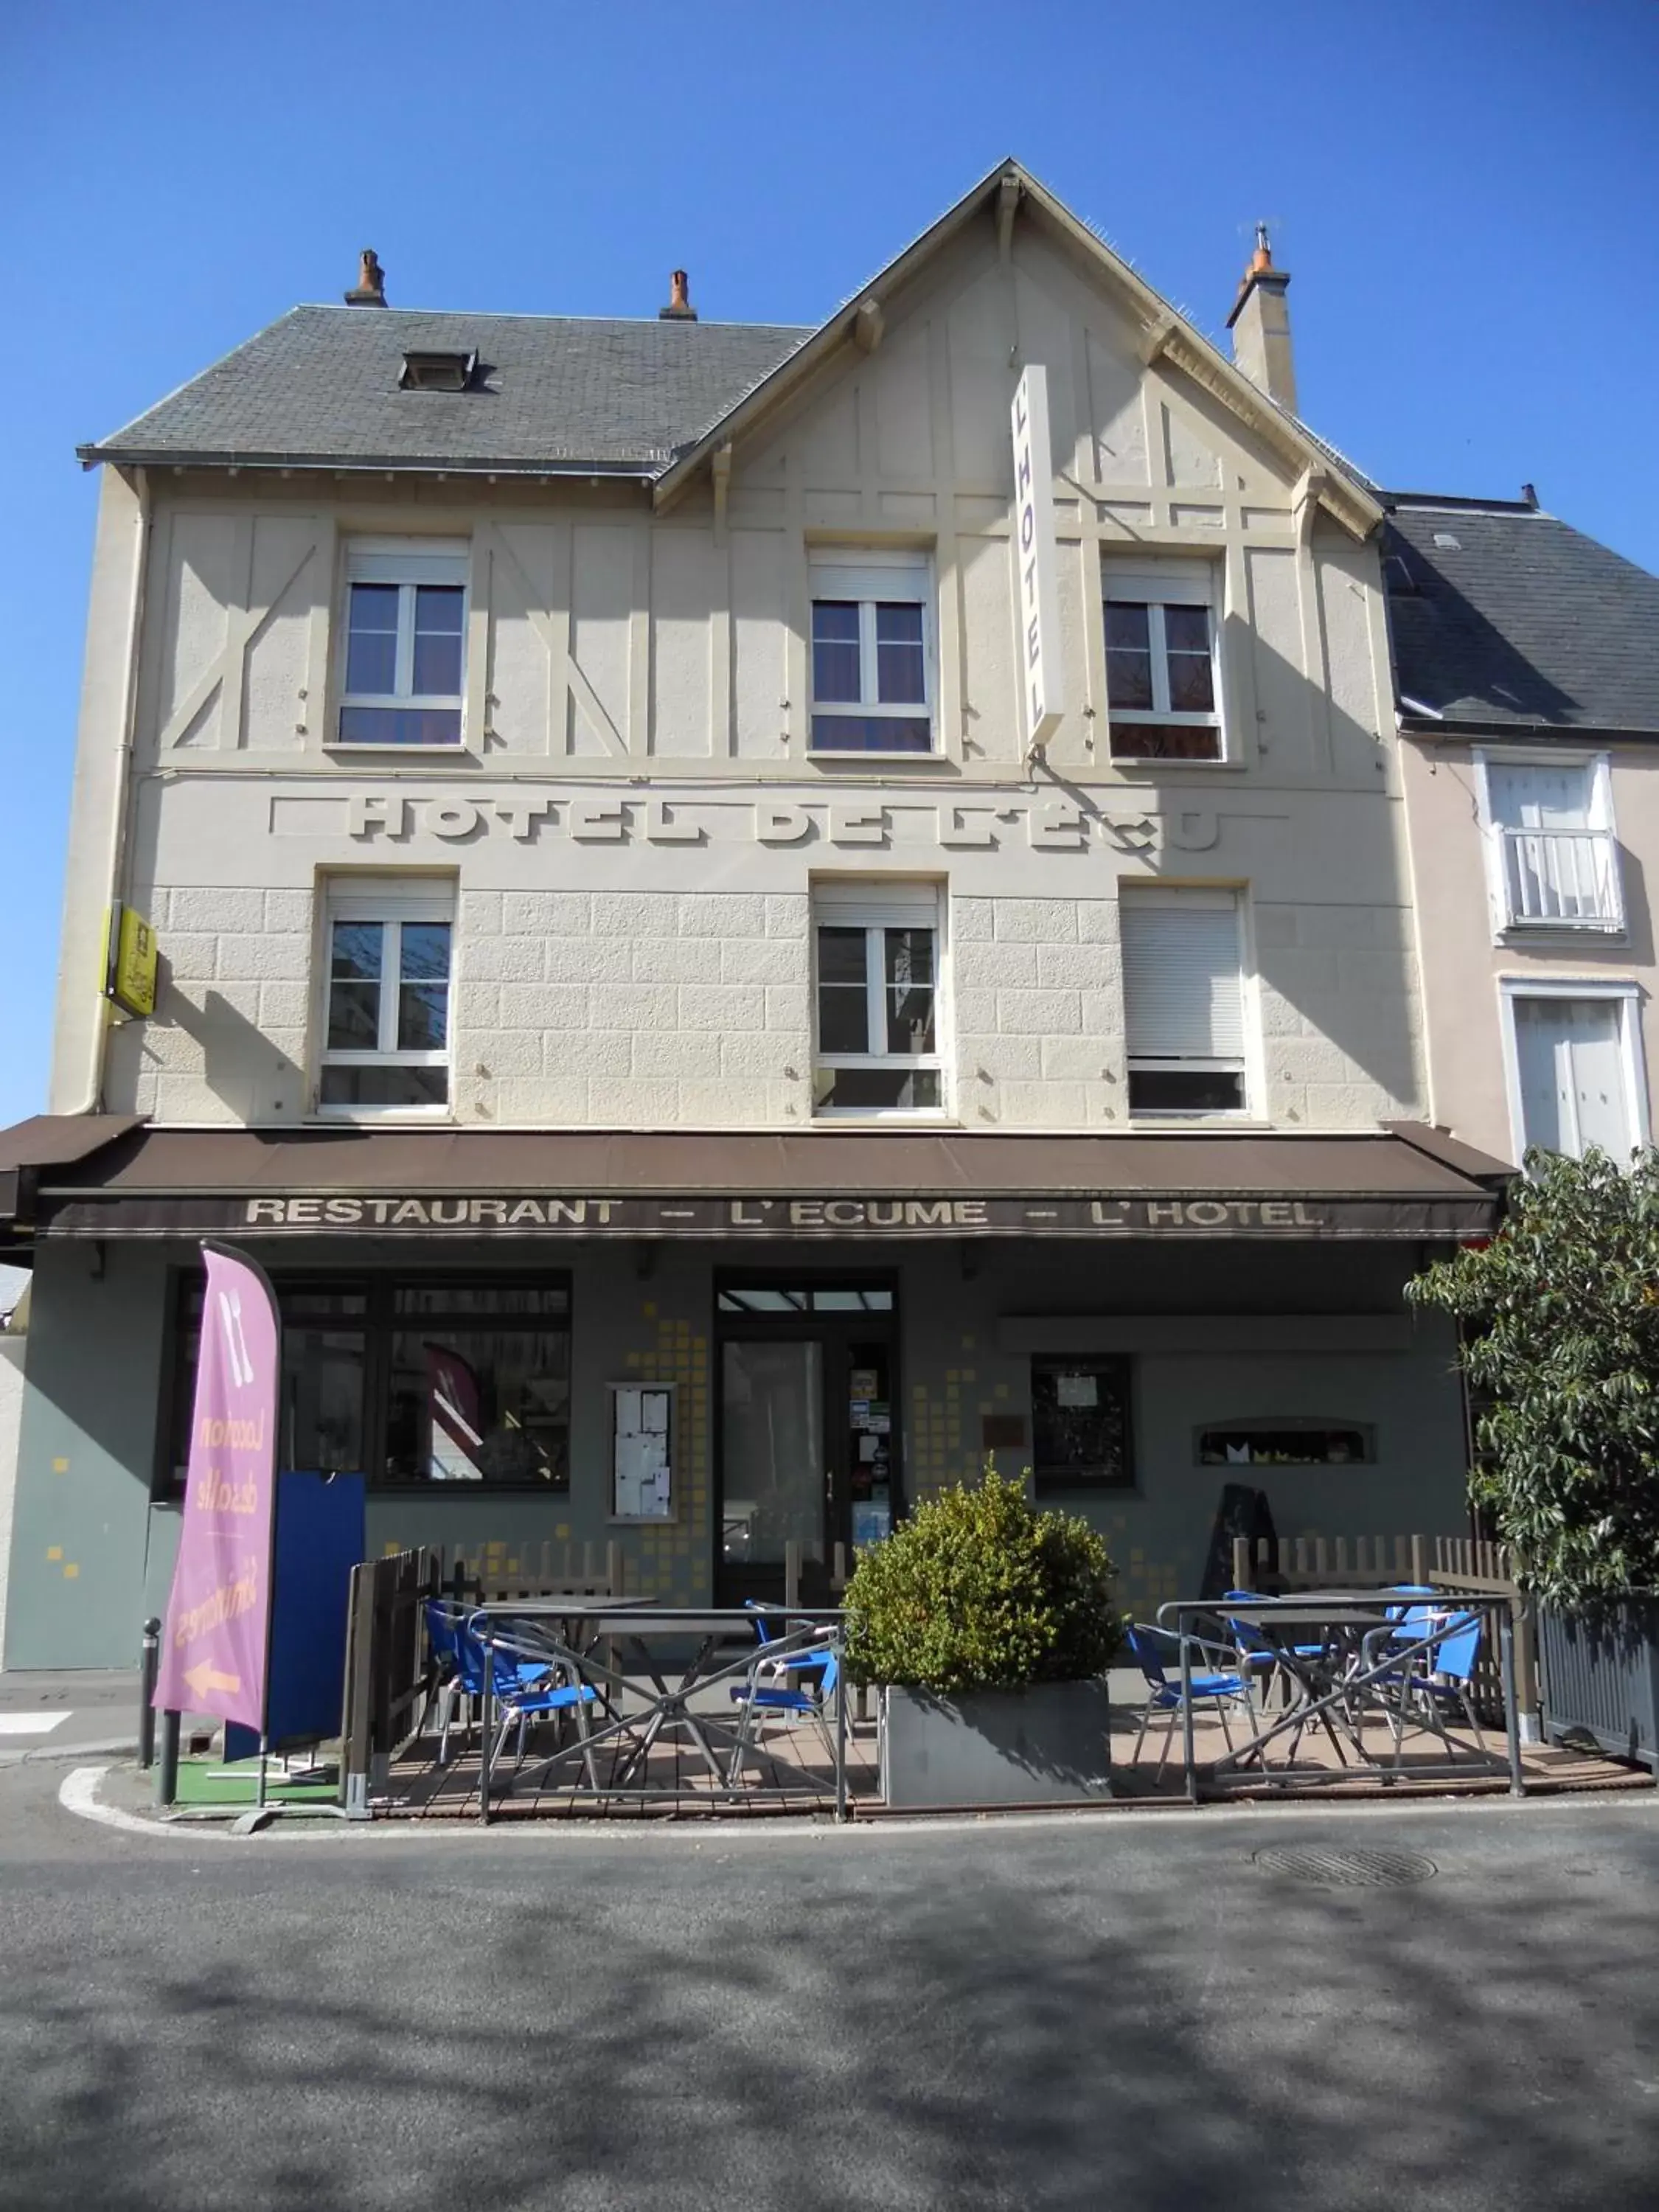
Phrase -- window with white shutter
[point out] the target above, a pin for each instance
(872, 651)
(876, 954)
(1574, 1078)
(403, 642)
(1553, 856)
(1162, 685)
(387, 947)
(1183, 1001)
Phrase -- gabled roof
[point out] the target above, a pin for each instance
(1164, 332)
(560, 394)
(321, 388)
(1503, 619)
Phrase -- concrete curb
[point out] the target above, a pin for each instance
(79, 1794)
(116, 1746)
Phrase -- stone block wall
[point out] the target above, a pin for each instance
(636, 1009)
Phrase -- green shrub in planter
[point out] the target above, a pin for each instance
(977, 1590)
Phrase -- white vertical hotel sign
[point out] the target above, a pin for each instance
(1034, 549)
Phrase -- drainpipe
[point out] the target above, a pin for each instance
(124, 749)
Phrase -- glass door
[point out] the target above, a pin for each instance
(774, 1479)
(807, 1448)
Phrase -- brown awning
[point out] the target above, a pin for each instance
(46, 1144)
(488, 1184)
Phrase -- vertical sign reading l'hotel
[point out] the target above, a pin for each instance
(1034, 551)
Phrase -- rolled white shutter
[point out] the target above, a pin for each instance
(1182, 993)
(870, 902)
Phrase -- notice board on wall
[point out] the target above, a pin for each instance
(642, 1451)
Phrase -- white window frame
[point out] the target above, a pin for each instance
(1245, 1064)
(391, 903)
(1172, 584)
(1626, 995)
(1599, 822)
(406, 562)
(869, 575)
(876, 908)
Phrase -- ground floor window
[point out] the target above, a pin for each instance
(434, 1379)
(1080, 1428)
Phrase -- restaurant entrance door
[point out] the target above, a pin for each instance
(807, 1447)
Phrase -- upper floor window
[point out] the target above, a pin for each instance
(385, 1014)
(877, 948)
(1162, 688)
(1554, 864)
(873, 652)
(405, 635)
(1183, 1000)
(1576, 1069)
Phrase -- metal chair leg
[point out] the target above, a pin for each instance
(1169, 1742)
(1145, 1723)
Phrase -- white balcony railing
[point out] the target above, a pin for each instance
(1565, 878)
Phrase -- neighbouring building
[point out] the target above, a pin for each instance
(738, 933)
(1527, 668)
(13, 1326)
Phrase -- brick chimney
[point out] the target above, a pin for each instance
(369, 290)
(1261, 325)
(679, 309)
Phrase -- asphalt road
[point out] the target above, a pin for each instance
(1128, 2011)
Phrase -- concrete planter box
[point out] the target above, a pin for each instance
(1046, 1744)
(1602, 1676)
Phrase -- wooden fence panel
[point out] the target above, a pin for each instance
(385, 1670)
(547, 1570)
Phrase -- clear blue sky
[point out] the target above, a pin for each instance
(1463, 189)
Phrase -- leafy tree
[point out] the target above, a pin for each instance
(1560, 1315)
(977, 1590)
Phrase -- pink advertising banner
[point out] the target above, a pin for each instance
(214, 1644)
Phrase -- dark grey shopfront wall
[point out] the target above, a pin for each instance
(1241, 1322)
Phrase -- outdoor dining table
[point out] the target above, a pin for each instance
(1319, 1648)
(569, 1633)
(1363, 1645)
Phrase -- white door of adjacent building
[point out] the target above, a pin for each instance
(1570, 1057)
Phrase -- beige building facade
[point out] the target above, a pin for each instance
(534, 735)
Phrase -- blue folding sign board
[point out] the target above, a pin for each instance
(319, 1539)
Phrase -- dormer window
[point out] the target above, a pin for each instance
(429, 370)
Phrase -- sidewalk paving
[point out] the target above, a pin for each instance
(50, 1713)
(68, 1712)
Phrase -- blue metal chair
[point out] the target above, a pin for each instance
(761, 1700)
(1438, 1674)
(1448, 1677)
(766, 1630)
(529, 1701)
(1257, 1650)
(1215, 1691)
(460, 1657)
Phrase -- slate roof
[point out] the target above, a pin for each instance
(1521, 623)
(552, 392)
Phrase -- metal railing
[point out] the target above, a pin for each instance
(635, 1694)
(1369, 1677)
(1568, 877)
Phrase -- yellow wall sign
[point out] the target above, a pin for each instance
(129, 953)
